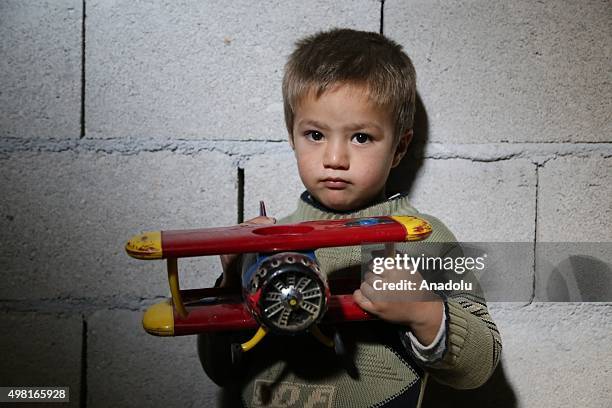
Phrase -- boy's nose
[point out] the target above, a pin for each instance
(336, 156)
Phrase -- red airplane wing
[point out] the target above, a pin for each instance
(273, 238)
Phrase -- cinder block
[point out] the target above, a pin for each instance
(518, 71)
(554, 355)
(126, 367)
(204, 70)
(40, 62)
(479, 202)
(575, 200)
(558, 354)
(41, 350)
(574, 258)
(274, 179)
(67, 216)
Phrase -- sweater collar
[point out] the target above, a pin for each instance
(397, 204)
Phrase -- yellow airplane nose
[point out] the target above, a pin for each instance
(159, 319)
(147, 245)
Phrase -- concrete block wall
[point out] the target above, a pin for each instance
(118, 117)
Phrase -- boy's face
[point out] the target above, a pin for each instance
(344, 147)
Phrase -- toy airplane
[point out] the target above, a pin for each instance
(283, 289)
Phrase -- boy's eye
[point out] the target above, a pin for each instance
(361, 138)
(314, 135)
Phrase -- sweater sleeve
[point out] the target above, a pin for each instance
(473, 342)
(473, 345)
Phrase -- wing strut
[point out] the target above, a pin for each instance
(175, 289)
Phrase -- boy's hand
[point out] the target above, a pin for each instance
(231, 262)
(420, 310)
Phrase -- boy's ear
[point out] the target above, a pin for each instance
(402, 147)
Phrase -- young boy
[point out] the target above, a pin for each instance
(349, 100)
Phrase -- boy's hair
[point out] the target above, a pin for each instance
(344, 56)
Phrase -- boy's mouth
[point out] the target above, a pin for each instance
(335, 183)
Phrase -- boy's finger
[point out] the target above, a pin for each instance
(370, 277)
(363, 302)
(371, 294)
(390, 249)
(227, 259)
(261, 220)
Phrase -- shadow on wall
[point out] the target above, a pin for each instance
(496, 392)
(402, 177)
(579, 278)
